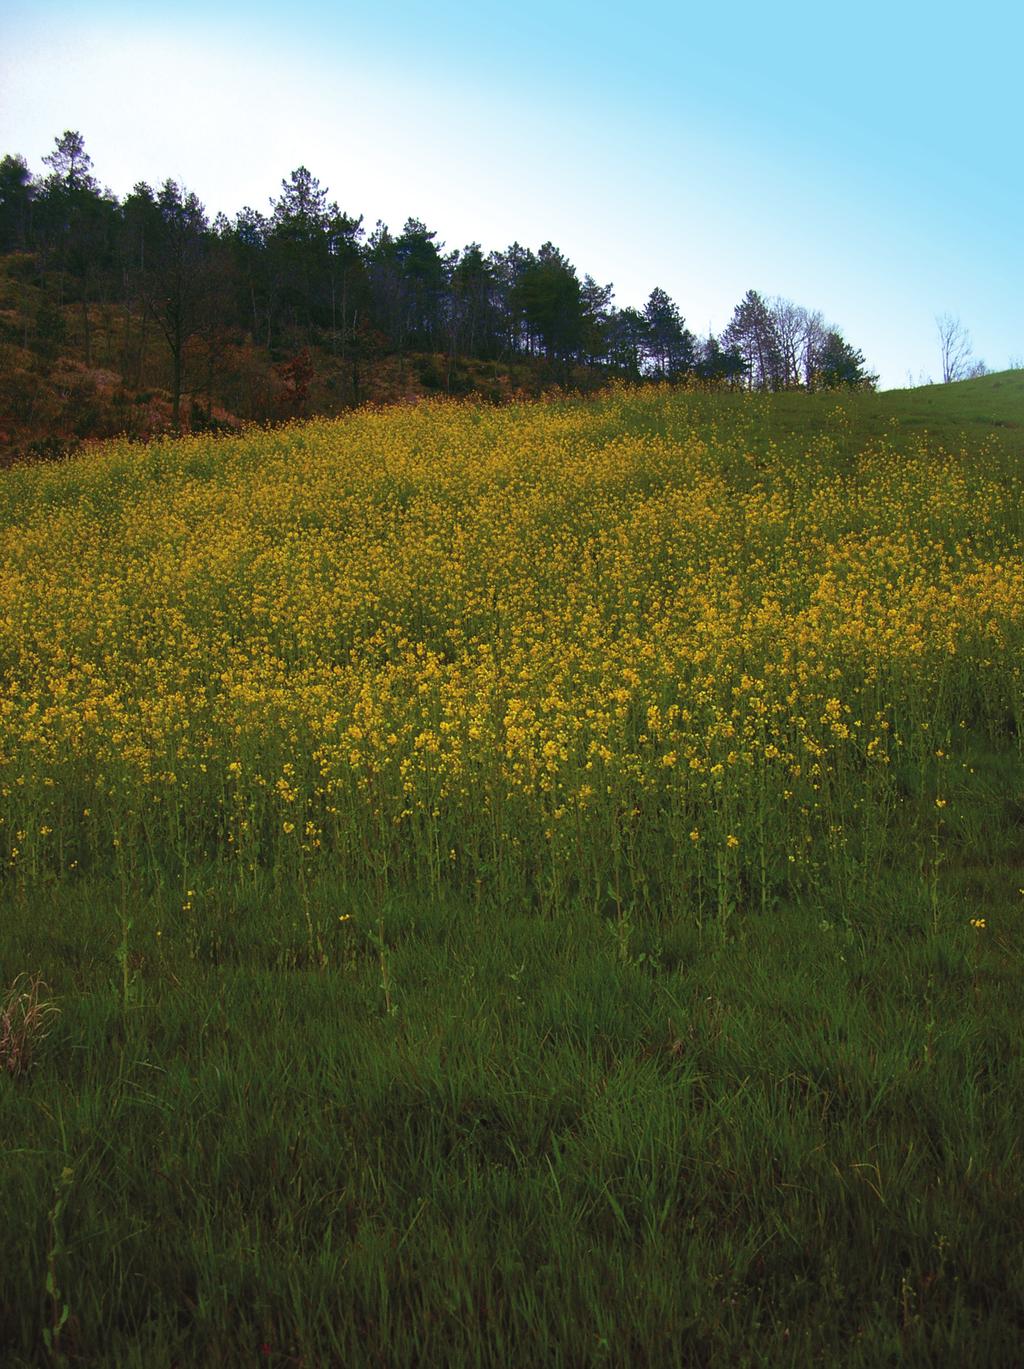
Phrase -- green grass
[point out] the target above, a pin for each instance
(988, 410)
(297, 1122)
(992, 401)
(563, 1144)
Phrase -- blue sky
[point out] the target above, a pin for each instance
(866, 161)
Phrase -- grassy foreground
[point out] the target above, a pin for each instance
(525, 886)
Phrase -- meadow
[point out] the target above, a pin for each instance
(525, 885)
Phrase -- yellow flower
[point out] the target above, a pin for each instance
(503, 624)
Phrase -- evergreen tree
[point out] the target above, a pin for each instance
(176, 279)
(670, 346)
(17, 192)
(474, 317)
(508, 269)
(718, 364)
(421, 275)
(303, 274)
(247, 242)
(70, 165)
(78, 226)
(627, 341)
(552, 302)
(596, 302)
(298, 246)
(751, 333)
(841, 366)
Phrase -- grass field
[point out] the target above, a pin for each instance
(524, 886)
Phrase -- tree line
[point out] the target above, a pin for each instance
(304, 274)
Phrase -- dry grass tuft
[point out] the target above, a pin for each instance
(26, 1017)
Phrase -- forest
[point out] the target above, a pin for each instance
(144, 314)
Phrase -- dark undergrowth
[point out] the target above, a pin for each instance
(462, 1134)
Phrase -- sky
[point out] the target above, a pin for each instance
(863, 160)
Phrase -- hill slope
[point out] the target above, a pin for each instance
(525, 885)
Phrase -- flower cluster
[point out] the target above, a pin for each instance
(579, 646)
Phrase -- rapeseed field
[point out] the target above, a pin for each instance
(535, 885)
(559, 652)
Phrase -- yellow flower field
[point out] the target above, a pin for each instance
(608, 650)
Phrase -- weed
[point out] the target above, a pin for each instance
(59, 1310)
(26, 1018)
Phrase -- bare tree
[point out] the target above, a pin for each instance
(955, 345)
(815, 342)
(790, 322)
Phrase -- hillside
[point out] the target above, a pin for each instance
(519, 885)
(95, 344)
(989, 409)
(992, 401)
(72, 374)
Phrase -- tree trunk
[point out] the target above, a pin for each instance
(86, 328)
(176, 386)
